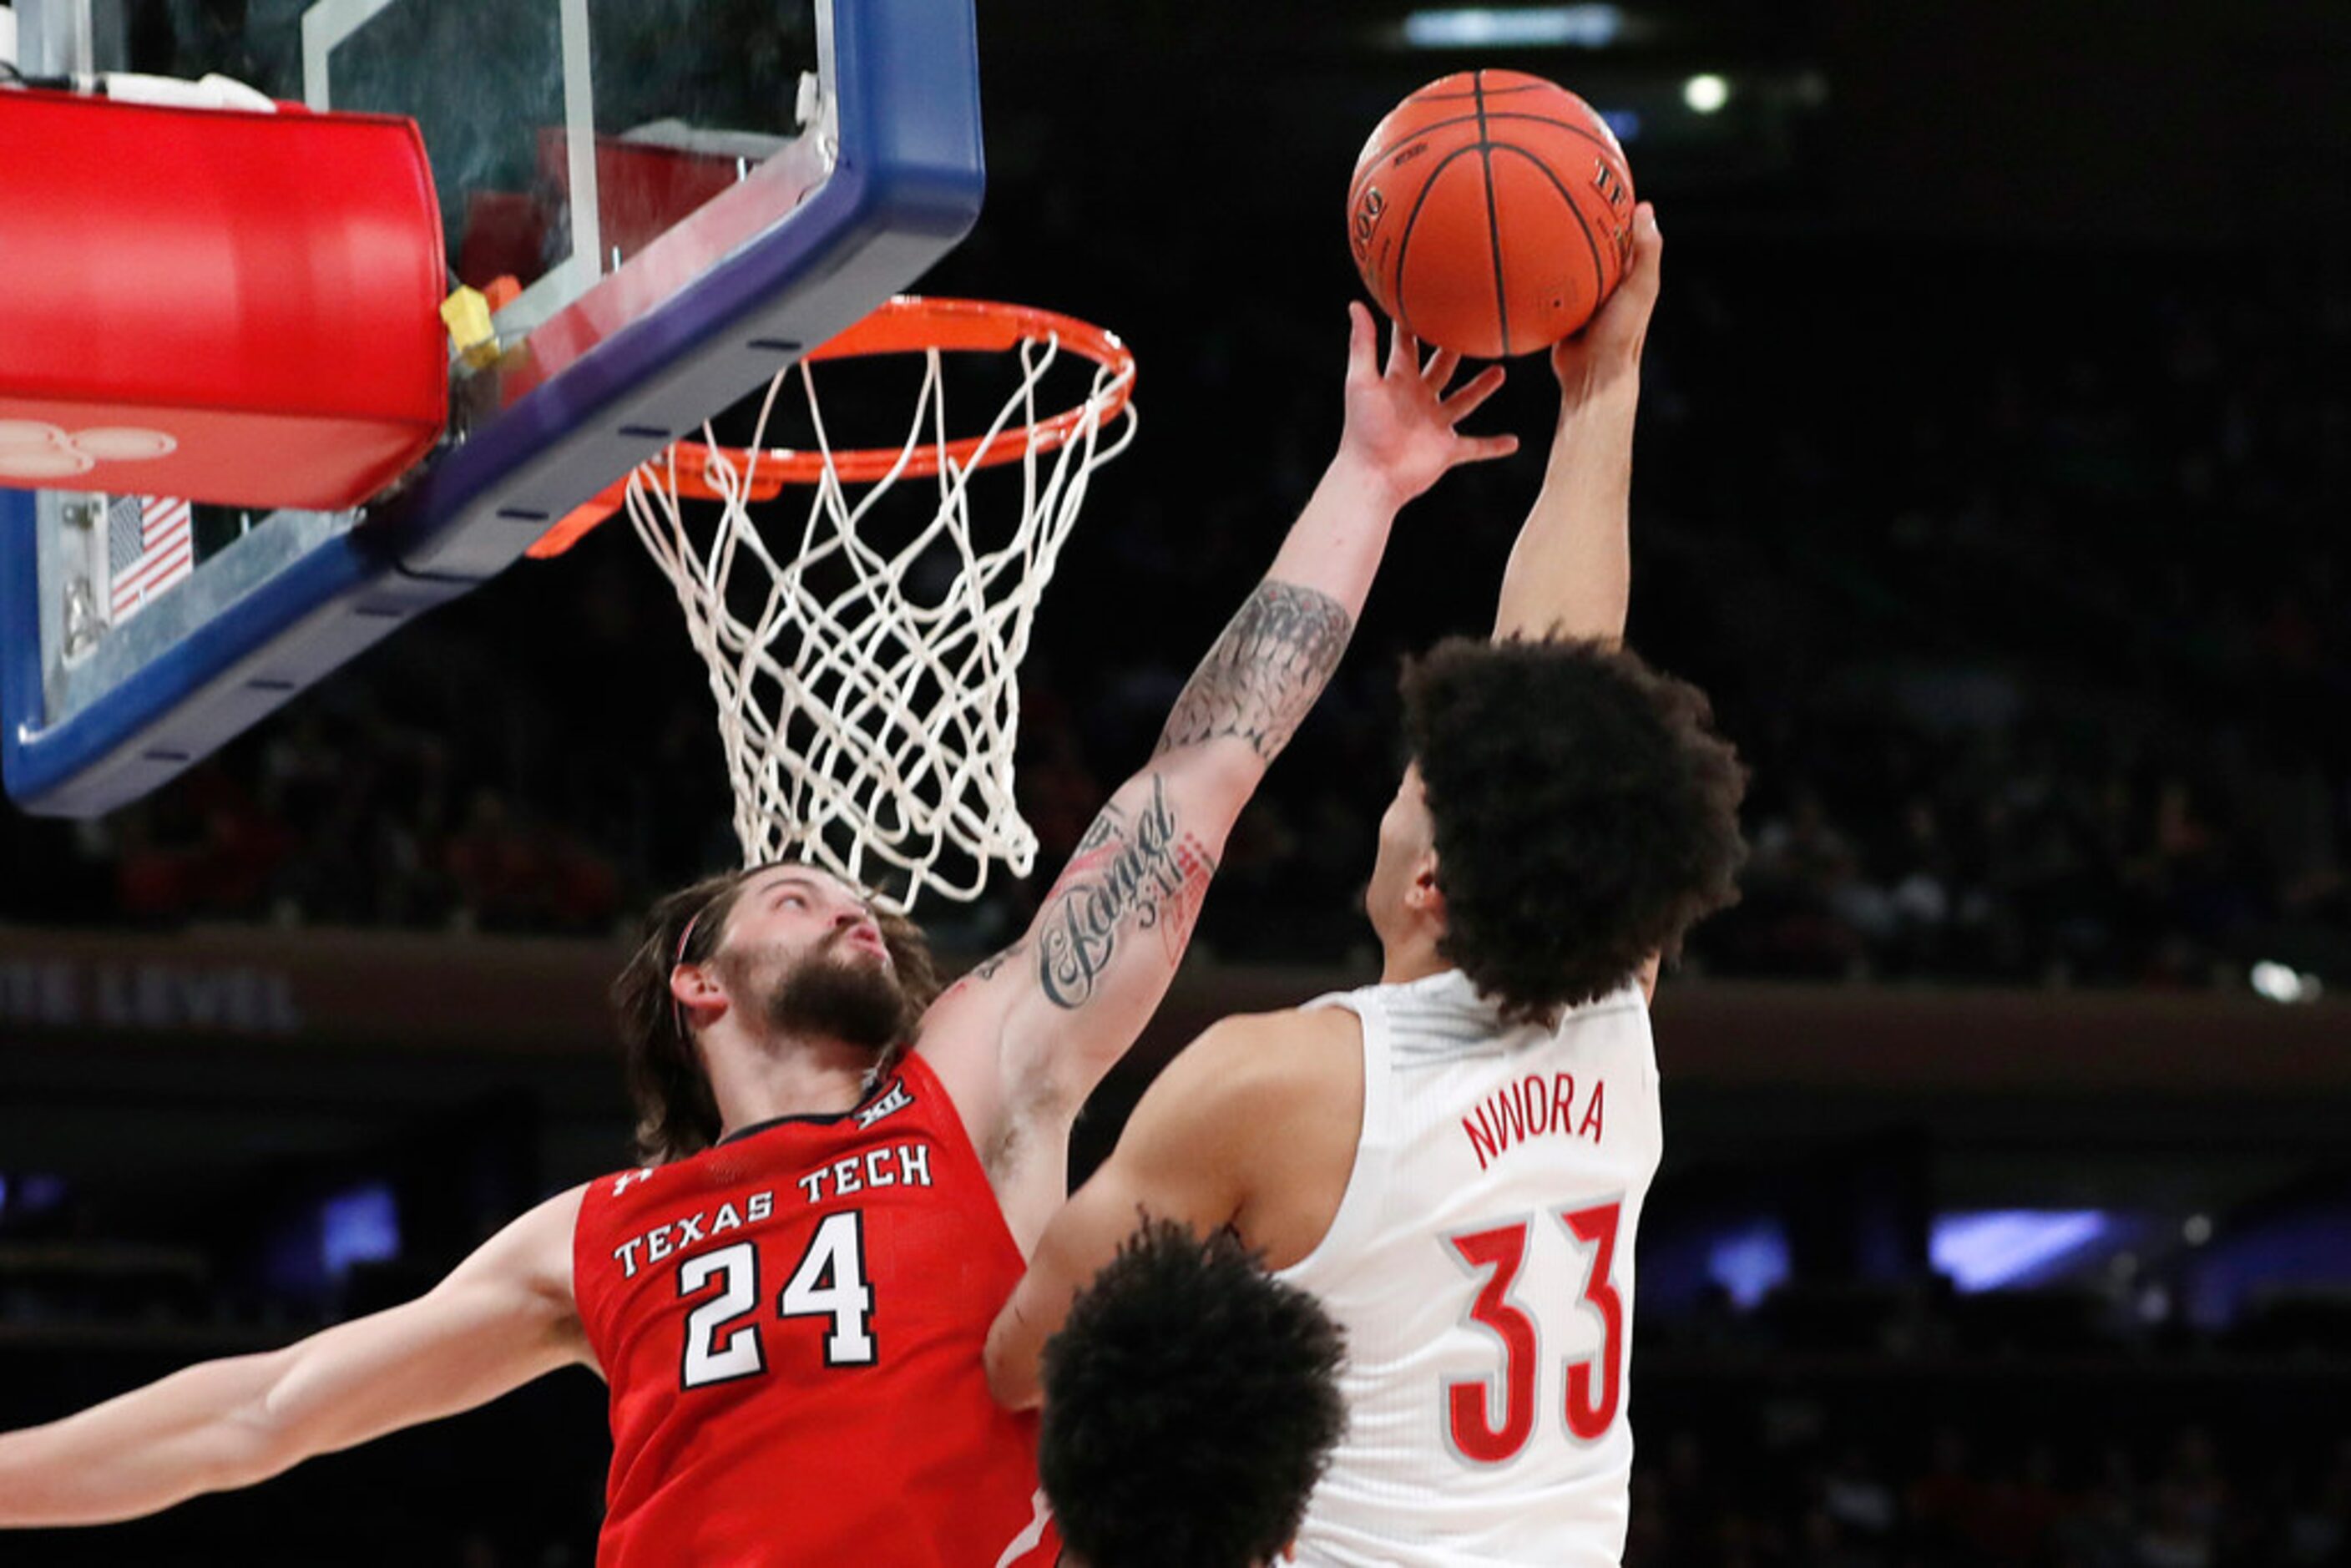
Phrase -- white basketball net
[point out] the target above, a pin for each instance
(870, 705)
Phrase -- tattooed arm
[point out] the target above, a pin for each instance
(1262, 674)
(1571, 572)
(1027, 1036)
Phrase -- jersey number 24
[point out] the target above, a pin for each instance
(828, 1282)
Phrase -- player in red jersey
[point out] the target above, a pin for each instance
(790, 1300)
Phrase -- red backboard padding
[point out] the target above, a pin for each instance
(227, 307)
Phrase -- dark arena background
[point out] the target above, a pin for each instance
(1993, 476)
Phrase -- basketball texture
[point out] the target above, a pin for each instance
(1491, 212)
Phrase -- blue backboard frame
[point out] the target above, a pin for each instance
(905, 189)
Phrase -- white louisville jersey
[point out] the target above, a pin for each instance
(1482, 1265)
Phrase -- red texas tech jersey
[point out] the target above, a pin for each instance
(791, 1323)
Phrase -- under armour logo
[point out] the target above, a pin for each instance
(621, 1186)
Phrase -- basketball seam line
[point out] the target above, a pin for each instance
(1567, 199)
(1404, 240)
(1489, 92)
(1569, 126)
(1493, 217)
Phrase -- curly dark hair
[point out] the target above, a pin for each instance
(676, 1113)
(1586, 813)
(1191, 1403)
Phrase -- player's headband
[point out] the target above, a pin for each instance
(685, 937)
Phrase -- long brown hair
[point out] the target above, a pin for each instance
(677, 1115)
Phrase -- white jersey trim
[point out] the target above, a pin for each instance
(1359, 1206)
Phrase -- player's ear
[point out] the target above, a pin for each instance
(693, 986)
(1421, 895)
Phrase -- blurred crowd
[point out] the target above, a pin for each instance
(2043, 633)
(2021, 596)
(1813, 1495)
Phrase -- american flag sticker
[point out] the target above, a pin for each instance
(150, 545)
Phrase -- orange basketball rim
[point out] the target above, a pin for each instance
(906, 325)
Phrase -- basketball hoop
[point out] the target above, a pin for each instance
(867, 690)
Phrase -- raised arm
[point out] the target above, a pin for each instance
(1571, 572)
(1024, 1039)
(502, 1318)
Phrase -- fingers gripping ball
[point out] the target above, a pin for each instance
(1491, 212)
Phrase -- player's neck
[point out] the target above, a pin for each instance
(1411, 957)
(756, 1080)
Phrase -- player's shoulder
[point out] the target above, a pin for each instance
(1309, 1026)
(555, 1221)
(1277, 1106)
(611, 1187)
(1230, 1094)
(622, 1197)
(554, 1215)
(533, 1250)
(1294, 1049)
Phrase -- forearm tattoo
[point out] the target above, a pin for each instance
(1140, 873)
(1264, 672)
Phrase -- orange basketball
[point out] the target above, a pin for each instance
(1491, 212)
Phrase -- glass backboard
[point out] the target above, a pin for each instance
(672, 199)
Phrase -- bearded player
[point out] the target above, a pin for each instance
(789, 1299)
(1454, 1159)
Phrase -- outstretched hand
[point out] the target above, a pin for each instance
(1400, 419)
(1607, 350)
